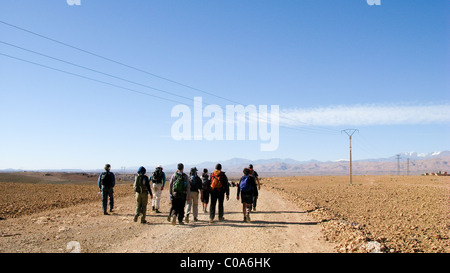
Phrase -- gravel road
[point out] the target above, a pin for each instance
(278, 226)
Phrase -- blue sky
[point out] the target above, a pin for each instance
(322, 62)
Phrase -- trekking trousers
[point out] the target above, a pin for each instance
(141, 204)
(255, 198)
(156, 188)
(107, 192)
(178, 208)
(192, 204)
(216, 196)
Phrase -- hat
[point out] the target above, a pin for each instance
(141, 170)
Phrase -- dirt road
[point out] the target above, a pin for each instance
(277, 227)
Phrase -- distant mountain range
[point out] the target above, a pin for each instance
(418, 164)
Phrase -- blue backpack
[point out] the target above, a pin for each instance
(245, 185)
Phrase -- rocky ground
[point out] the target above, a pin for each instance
(276, 227)
(295, 214)
(375, 213)
(19, 199)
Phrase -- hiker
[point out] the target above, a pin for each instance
(106, 182)
(206, 188)
(180, 191)
(246, 187)
(219, 187)
(142, 190)
(158, 180)
(255, 194)
(196, 186)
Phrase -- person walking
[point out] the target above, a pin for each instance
(142, 190)
(180, 192)
(206, 188)
(158, 180)
(106, 182)
(196, 186)
(246, 188)
(255, 193)
(219, 188)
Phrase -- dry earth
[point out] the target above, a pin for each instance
(295, 214)
(376, 213)
(277, 227)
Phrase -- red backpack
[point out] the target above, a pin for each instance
(216, 182)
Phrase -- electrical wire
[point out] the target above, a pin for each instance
(88, 78)
(311, 128)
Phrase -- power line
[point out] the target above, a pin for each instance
(93, 70)
(113, 61)
(304, 130)
(137, 69)
(88, 78)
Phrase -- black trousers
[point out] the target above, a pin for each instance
(178, 208)
(107, 192)
(216, 196)
(255, 197)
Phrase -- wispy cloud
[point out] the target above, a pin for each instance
(372, 114)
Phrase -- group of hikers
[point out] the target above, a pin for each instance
(184, 191)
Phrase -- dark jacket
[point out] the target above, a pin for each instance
(141, 172)
(206, 182)
(196, 183)
(99, 181)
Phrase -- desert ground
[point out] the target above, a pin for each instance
(61, 212)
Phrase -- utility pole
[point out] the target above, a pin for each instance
(407, 166)
(398, 164)
(350, 132)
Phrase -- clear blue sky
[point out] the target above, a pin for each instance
(329, 65)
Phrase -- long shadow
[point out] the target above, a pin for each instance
(272, 223)
(229, 223)
(285, 223)
(268, 212)
(232, 223)
(252, 224)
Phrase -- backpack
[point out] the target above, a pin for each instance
(193, 182)
(206, 183)
(196, 183)
(157, 176)
(139, 185)
(216, 182)
(179, 186)
(106, 179)
(245, 185)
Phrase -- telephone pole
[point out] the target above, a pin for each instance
(398, 164)
(350, 132)
(407, 170)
